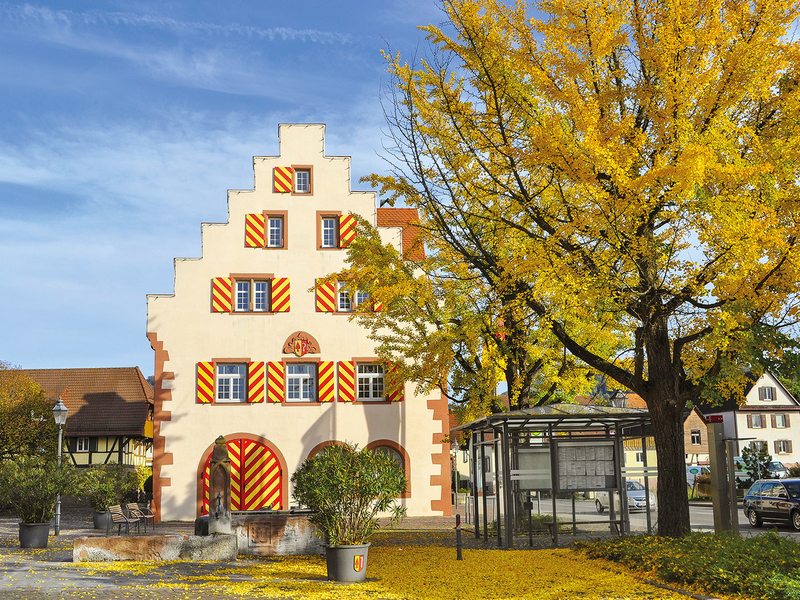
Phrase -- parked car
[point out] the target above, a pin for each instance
(636, 498)
(773, 500)
(777, 469)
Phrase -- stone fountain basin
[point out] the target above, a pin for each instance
(270, 532)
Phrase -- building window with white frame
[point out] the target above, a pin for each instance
(758, 445)
(302, 181)
(696, 441)
(639, 457)
(344, 300)
(766, 393)
(82, 444)
(261, 296)
(252, 295)
(361, 298)
(231, 383)
(301, 383)
(783, 446)
(242, 295)
(756, 421)
(781, 421)
(371, 386)
(275, 232)
(329, 232)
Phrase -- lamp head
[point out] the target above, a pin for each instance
(60, 412)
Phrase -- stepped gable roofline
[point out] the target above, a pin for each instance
(407, 219)
(101, 401)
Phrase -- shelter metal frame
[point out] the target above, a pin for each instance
(557, 448)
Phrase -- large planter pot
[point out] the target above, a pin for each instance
(102, 519)
(347, 563)
(33, 535)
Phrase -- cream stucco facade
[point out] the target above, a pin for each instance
(187, 333)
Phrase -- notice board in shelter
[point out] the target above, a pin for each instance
(586, 466)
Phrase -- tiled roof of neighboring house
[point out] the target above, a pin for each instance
(635, 400)
(404, 217)
(112, 401)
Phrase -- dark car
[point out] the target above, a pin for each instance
(773, 500)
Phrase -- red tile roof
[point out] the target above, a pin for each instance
(113, 401)
(407, 219)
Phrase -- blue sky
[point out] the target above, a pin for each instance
(122, 125)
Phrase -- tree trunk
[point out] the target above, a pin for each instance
(673, 501)
(666, 415)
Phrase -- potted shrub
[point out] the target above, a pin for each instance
(30, 485)
(104, 486)
(347, 489)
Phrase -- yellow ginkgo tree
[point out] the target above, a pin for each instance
(622, 172)
(440, 324)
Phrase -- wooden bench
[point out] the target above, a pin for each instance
(119, 518)
(143, 514)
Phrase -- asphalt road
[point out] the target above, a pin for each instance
(701, 517)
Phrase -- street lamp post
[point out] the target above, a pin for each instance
(60, 416)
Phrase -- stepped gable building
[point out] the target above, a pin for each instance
(110, 418)
(245, 348)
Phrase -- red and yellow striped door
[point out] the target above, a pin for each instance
(256, 478)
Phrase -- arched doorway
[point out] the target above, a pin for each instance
(256, 476)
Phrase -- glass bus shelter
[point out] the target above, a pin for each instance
(520, 457)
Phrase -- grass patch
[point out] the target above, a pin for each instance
(767, 566)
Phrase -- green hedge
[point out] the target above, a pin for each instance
(766, 566)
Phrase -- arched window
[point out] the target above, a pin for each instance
(393, 454)
(397, 453)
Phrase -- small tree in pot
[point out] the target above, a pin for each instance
(30, 485)
(104, 486)
(347, 489)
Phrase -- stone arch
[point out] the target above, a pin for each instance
(316, 449)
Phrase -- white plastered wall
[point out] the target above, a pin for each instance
(190, 333)
(783, 403)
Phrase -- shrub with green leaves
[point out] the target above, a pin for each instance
(106, 485)
(347, 489)
(766, 566)
(30, 485)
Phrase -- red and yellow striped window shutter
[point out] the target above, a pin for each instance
(347, 381)
(275, 382)
(347, 230)
(221, 294)
(255, 382)
(395, 387)
(326, 296)
(284, 179)
(254, 236)
(376, 306)
(280, 294)
(327, 389)
(205, 382)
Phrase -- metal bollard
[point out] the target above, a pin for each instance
(458, 538)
